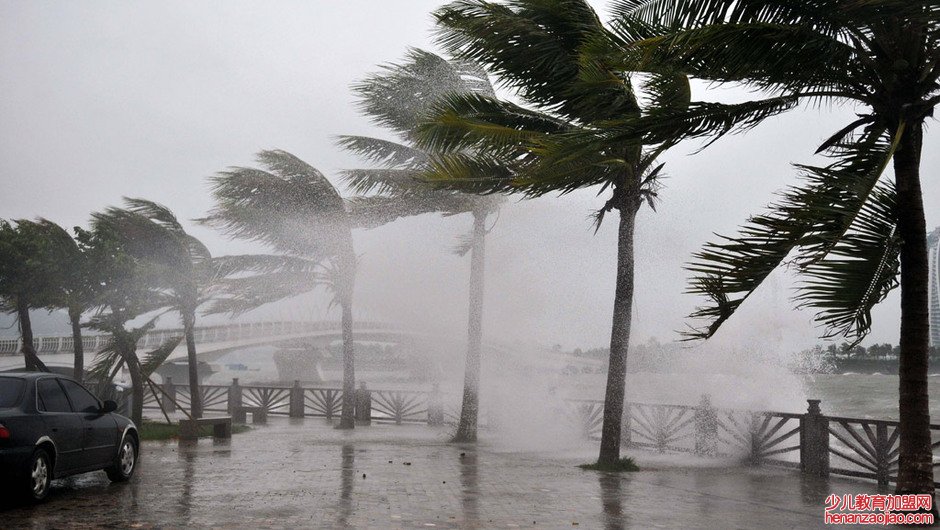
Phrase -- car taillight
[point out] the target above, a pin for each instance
(4, 433)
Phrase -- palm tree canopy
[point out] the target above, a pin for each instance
(151, 232)
(288, 205)
(838, 227)
(400, 97)
(293, 209)
(535, 47)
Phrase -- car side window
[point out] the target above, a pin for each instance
(52, 397)
(82, 400)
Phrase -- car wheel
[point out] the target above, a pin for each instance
(126, 463)
(39, 475)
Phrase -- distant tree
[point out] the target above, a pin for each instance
(180, 264)
(64, 273)
(293, 210)
(24, 246)
(400, 98)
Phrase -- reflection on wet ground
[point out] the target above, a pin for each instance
(304, 474)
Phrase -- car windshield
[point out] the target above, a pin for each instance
(10, 391)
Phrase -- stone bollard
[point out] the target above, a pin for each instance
(814, 441)
(435, 406)
(234, 396)
(169, 395)
(296, 407)
(706, 428)
(363, 405)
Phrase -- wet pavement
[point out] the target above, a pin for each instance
(304, 474)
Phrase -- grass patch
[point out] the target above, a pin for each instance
(153, 430)
(623, 465)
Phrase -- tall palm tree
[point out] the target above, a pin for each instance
(399, 98)
(534, 47)
(854, 232)
(295, 211)
(181, 263)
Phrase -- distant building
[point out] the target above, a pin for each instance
(933, 286)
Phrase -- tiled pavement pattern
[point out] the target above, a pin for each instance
(303, 474)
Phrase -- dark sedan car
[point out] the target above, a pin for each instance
(51, 427)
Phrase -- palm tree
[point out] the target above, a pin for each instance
(295, 211)
(24, 247)
(183, 265)
(129, 288)
(399, 98)
(64, 273)
(534, 47)
(852, 230)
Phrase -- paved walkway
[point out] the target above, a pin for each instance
(303, 474)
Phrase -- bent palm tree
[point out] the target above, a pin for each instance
(128, 288)
(852, 230)
(64, 272)
(181, 263)
(292, 209)
(24, 248)
(534, 47)
(399, 98)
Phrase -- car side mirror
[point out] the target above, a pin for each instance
(108, 406)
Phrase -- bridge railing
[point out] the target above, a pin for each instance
(203, 335)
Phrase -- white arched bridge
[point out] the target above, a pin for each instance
(212, 342)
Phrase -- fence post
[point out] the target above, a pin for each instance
(706, 428)
(234, 396)
(363, 405)
(882, 449)
(435, 406)
(626, 426)
(814, 441)
(169, 395)
(296, 400)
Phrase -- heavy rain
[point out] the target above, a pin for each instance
(469, 264)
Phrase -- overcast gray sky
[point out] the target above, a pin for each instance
(107, 99)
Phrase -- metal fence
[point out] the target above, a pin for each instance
(812, 442)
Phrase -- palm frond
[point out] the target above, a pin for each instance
(859, 271)
(154, 359)
(243, 294)
(534, 46)
(383, 152)
(400, 95)
(831, 16)
(810, 220)
(291, 207)
(481, 123)
(383, 180)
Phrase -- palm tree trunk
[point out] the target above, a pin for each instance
(31, 360)
(619, 336)
(347, 418)
(915, 472)
(137, 386)
(75, 317)
(195, 396)
(126, 347)
(470, 407)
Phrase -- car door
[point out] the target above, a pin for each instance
(101, 435)
(64, 427)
